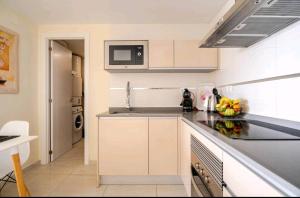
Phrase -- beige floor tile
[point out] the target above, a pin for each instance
(44, 184)
(78, 185)
(10, 190)
(85, 170)
(38, 185)
(130, 191)
(171, 191)
(50, 169)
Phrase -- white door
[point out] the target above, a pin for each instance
(61, 94)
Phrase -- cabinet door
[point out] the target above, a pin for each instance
(187, 54)
(185, 166)
(226, 193)
(123, 146)
(163, 143)
(163, 153)
(242, 182)
(161, 54)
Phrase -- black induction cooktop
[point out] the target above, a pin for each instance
(6, 138)
(252, 129)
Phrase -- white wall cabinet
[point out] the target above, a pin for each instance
(161, 54)
(244, 183)
(181, 55)
(163, 153)
(123, 146)
(187, 54)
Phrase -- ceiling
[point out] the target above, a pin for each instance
(117, 11)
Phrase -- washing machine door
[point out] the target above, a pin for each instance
(78, 122)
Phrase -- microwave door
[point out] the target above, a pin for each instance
(121, 55)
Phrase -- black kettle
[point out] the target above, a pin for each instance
(187, 101)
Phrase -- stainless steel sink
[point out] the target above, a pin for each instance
(126, 113)
(140, 111)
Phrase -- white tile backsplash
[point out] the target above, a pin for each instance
(276, 56)
(156, 90)
(288, 95)
(277, 98)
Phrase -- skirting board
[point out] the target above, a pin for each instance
(145, 180)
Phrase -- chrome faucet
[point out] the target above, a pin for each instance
(128, 96)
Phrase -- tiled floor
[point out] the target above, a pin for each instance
(67, 176)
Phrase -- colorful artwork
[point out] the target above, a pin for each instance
(8, 61)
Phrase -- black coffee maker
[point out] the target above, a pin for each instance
(187, 101)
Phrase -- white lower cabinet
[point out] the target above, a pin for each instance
(242, 182)
(163, 152)
(162, 146)
(185, 151)
(123, 146)
(226, 193)
(138, 146)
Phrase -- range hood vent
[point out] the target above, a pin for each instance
(251, 21)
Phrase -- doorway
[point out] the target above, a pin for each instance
(44, 91)
(66, 69)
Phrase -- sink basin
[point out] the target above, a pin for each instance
(143, 111)
(125, 113)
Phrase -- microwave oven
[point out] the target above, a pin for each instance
(126, 55)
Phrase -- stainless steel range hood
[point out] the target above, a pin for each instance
(250, 21)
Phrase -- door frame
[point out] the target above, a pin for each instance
(44, 90)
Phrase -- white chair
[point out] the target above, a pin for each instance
(17, 128)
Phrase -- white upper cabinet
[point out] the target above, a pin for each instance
(187, 54)
(161, 54)
(181, 55)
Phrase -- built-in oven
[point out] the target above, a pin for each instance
(126, 55)
(207, 171)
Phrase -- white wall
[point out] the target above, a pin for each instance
(99, 79)
(276, 56)
(23, 105)
(170, 90)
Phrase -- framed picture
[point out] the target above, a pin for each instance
(9, 81)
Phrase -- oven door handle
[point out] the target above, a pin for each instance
(194, 185)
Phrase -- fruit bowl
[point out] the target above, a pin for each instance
(228, 115)
(228, 107)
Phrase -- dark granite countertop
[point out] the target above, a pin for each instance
(277, 162)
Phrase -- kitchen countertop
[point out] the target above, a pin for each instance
(277, 162)
(142, 112)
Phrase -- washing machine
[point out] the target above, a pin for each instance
(78, 123)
